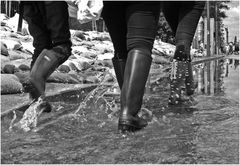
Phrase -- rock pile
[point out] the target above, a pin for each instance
(91, 56)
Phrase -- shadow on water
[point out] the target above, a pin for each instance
(205, 132)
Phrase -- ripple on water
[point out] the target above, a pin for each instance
(205, 133)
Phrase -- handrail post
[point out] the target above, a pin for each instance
(208, 48)
(19, 28)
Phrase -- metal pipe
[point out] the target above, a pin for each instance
(20, 19)
(208, 78)
(208, 29)
(6, 7)
(9, 8)
(216, 29)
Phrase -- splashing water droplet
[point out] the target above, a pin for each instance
(101, 124)
(96, 93)
(29, 119)
(165, 119)
(146, 114)
(59, 107)
(11, 123)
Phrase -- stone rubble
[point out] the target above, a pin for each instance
(91, 55)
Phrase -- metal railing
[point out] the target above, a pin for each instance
(9, 7)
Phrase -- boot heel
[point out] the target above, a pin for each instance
(123, 128)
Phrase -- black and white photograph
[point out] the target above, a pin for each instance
(119, 82)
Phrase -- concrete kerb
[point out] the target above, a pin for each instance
(80, 87)
(206, 59)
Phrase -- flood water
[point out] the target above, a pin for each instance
(205, 132)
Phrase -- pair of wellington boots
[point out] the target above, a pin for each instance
(132, 75)
(44, 66)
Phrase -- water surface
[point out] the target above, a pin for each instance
(206, 132)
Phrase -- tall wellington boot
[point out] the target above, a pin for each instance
(177, 81)
(189, 81)
(119, 67)
(44, 66)
(135, 77)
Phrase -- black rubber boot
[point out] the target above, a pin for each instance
(135, 77)
(119, 67)
(43, 67)
(177, 81)
(189, 82)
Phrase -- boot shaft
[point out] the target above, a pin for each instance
(119, 68)
(177, 80)
(44, 66)
(189, 82)
(135, 76)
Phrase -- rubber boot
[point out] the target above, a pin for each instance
(189, 81)
(43, 67)
(135, 77)
(177, 81)
(119, 67)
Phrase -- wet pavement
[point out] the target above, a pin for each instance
(205, 132)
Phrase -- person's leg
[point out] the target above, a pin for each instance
(170, 10)
(57, 23)
(189, 14)
(33, 14)
(114, 16)
(56, 19)
(142, 19)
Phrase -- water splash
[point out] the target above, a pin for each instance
(12, 121)
(30, 117)
(97, 93)
(145, 114)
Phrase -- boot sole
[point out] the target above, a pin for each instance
(189, 92)
(128, 126)
(124, 128)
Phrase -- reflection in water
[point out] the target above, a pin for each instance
(236, 63)
(221, 72)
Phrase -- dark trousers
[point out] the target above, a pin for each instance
(183, 17)
(131, 25)
(48, 24)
